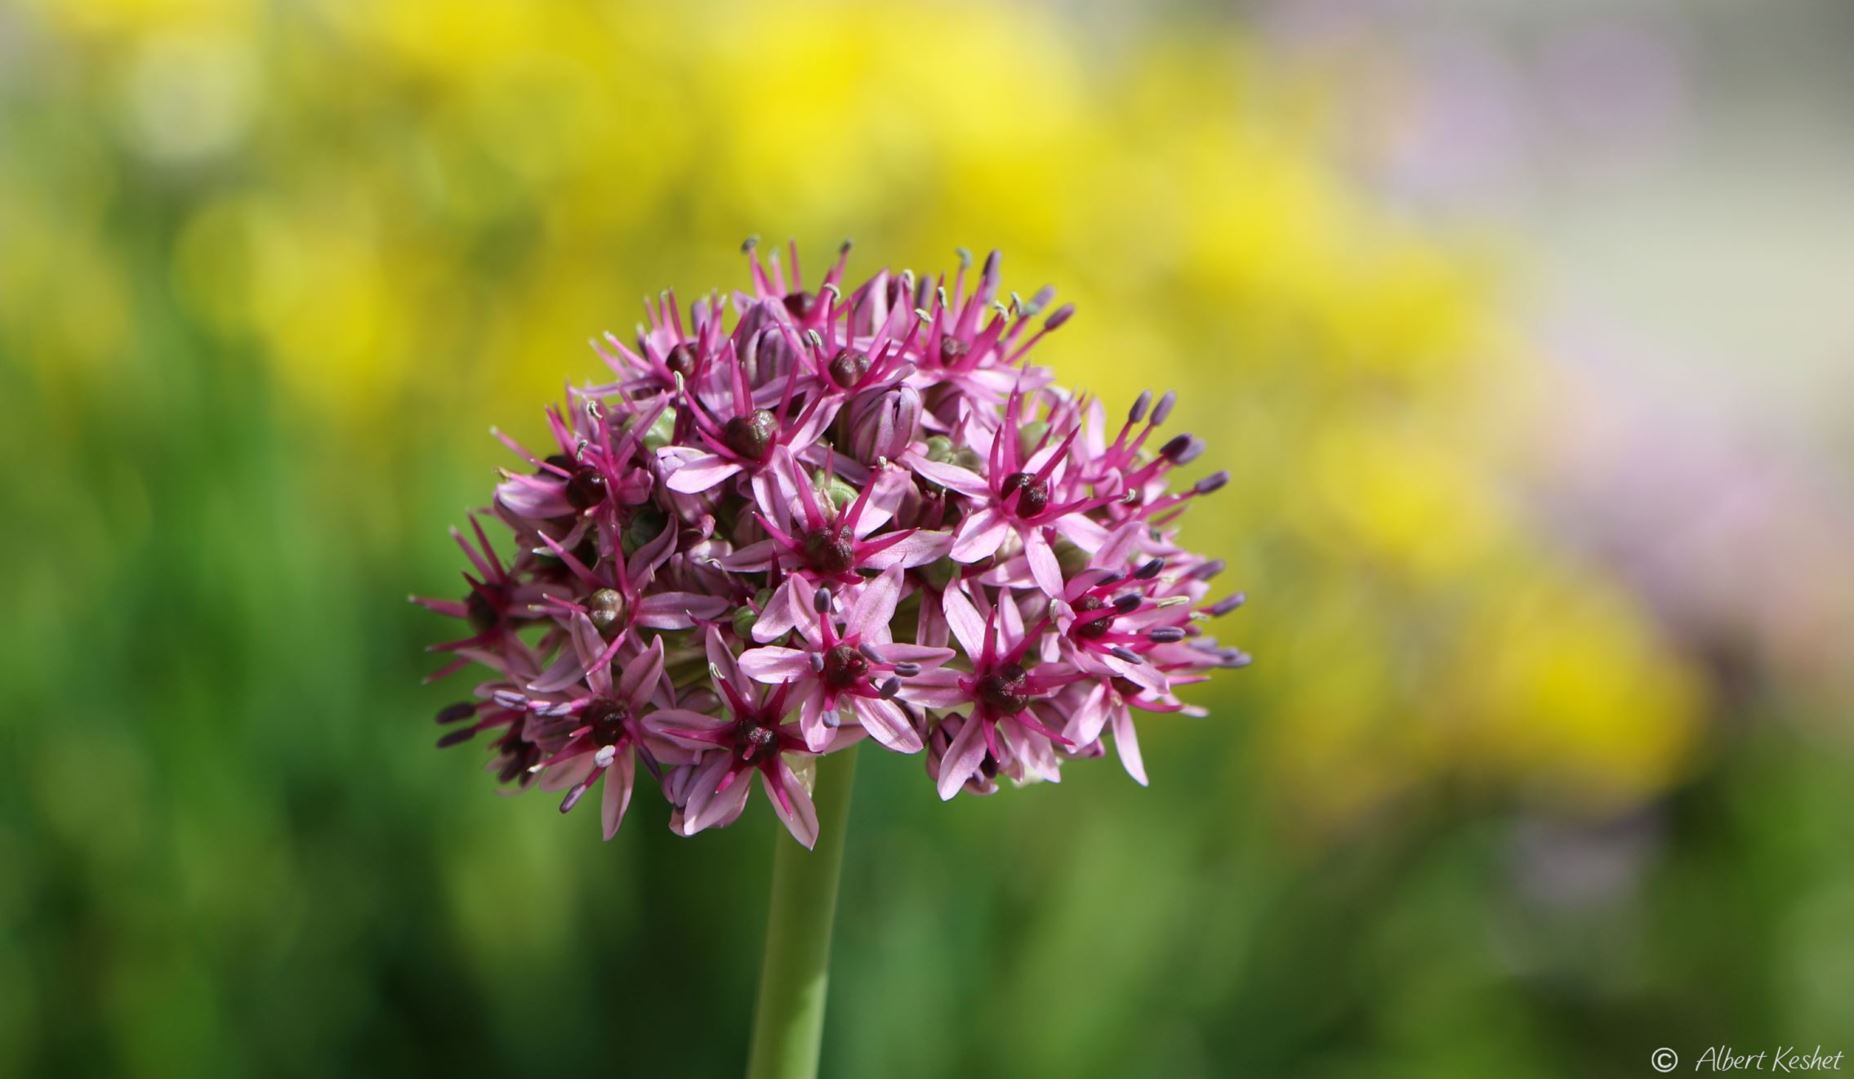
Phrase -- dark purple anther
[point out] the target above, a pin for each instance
(455, 713)
(1226, 605)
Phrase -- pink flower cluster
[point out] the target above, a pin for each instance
(856, 513)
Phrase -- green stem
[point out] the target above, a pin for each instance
(788, 1023)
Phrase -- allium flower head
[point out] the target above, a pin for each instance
(796, 517)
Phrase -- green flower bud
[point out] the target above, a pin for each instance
(940, 573)
(647, 523)
(833, 490)
(662, 431)
(1071, 558)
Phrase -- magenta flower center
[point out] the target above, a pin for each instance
(586, 488)
(952, 350)
(606, 609)
(849, 368)
(1032, 493)
(1096, 629)
(681, 361)
(844, 667)
(755, 741)
(1005, 690)
(607, 719)
(751, 436)
(800, 304)
(828, 550)
(483, 613)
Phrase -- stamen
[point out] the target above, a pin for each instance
(1226, 605)
(456, 713)
(457, 737)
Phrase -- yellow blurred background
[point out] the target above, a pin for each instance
(269, 272)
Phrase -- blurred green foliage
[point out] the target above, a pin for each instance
(270, 270)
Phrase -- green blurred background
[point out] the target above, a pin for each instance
(1543, 762)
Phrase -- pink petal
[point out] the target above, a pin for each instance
(697, 474)
(918, 549)
(642, 674)
(707, 807)
(559, 777)
(781, 613)
(979, 536)
(887, 724)
(1127, 745)
(951, 477)
(525, 497)
(913, 653)
(811, 724)
(565, 671)
(962, 759)
(891, 486)
(934, 689)
(1090, 716)
(666, 722)
(1043, 565)
(619, 779)
(1119, 545)
(964, 619)
(678, 610)
(793, 805)
(774, 665)
(874, 606)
